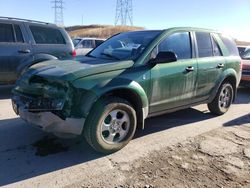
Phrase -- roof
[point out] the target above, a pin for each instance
(24, 20)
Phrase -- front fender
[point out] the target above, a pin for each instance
(92, 94)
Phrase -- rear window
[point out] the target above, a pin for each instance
(44, 35)
(230, 44)
(204, 43)
(6, 33)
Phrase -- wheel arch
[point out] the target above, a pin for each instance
(131, 92)
(228, 76)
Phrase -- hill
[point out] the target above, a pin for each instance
(242, 43)
(106, 31)
(99, 31)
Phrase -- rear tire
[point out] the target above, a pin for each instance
(110, 125)
(222, 100)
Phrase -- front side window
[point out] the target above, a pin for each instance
(179, 43)
(204, 43)
(43, 35)
(125, 46)
(6, 33)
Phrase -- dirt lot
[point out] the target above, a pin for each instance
(219, 158)
(190, 148)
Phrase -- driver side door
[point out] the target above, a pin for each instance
(173, 84)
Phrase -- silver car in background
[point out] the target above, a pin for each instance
(85, 45)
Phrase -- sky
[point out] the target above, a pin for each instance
(230, 16)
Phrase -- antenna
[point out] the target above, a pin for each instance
(124, 12)
(58, 7)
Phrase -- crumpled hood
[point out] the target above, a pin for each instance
(70, 70)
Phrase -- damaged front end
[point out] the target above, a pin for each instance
(47, 104)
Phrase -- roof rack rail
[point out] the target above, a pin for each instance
(26, 20)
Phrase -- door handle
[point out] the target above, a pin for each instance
(190, 69)
(220, 65)
(25, 51)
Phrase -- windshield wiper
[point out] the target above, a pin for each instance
(111, 56)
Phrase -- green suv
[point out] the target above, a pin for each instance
(109, 93)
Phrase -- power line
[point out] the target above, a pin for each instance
(58, 7)
(124, 12)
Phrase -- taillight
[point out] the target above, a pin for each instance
(73, 53)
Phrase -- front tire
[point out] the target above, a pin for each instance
(223, 99)
(110, 125)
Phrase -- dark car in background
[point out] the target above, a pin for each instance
(27, 42)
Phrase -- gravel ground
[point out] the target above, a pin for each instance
(219, 158)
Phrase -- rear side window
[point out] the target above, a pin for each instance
(19, 36)
(204, 43)
(44, 35)
(230, 44)
(6, 33)
(179, 43)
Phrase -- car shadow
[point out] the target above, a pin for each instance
(26, 152)
(171, 120)
(238, 121)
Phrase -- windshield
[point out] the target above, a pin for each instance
(125, 46)
(76, 42)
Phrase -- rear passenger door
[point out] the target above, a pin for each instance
(13, 50)
(173, 84)
(210, 64)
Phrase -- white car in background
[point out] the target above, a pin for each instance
(85, 45)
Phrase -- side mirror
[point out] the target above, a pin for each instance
(165, 57)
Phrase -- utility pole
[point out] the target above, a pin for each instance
(124, 12)
(58, 7)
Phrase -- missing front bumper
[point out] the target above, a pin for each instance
(51, 123)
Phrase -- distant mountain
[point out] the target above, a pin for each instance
(99, 31)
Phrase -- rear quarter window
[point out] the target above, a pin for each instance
(43, 35)
(230, 45)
